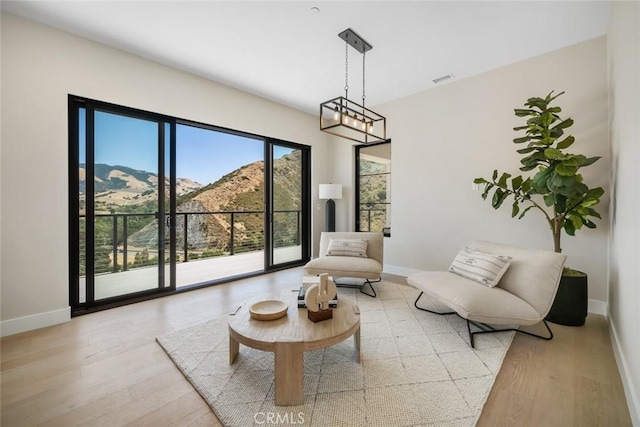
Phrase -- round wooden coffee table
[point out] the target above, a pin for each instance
(289, 337)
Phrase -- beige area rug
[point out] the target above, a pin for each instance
(417, 370)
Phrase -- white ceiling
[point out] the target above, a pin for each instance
(286, 52)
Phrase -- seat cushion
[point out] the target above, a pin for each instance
(473, 301)
(365, 268)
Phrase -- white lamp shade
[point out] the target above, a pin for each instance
(330, 191)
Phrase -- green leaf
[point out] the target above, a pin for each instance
(552, 153)
(524, 212)
(561, 203)
(588, 223)
(591, 160)
(565, 170)
(540, 179)
(502, 182)
(565, 143)
(515, 208)
(522, 139)
(526, 150)
(498, 197)
(487, 188)
(528, 168)
(495, 174)
(479, 181)
(550, 98)
(522, 113)
(569, 228)
(516, 182)
(595, 193)
(563, 124)
(549, 200)
(517, 128)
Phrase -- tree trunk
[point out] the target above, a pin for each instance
(556, 240)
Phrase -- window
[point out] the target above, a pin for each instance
(159, 203)
(373, 188)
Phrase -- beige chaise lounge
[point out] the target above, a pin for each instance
(523, 296)
(369, 268)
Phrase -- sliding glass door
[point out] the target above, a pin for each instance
(287, 217)
(159, 203)
(120, 201)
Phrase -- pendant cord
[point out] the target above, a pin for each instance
(346, 70)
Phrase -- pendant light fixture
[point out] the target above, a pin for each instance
(348, 119)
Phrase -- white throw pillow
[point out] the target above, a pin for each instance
(348, 247)
(480, 267)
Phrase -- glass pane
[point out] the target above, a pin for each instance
(287, 204)
(126, 205)
(220, 205)
(167, 205)
(82, 237)
(375, 188)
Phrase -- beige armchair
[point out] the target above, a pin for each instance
(523, 295)
(368, 268)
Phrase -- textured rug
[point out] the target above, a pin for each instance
(417, 370)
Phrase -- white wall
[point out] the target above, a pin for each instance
(40, 67)
(624, 269)
(445, 137)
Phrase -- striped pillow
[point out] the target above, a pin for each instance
(348, 247)
(481, 267)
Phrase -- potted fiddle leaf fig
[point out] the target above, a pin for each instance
(557, 190)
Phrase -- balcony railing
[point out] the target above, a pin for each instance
(130, 240)
(373, 216)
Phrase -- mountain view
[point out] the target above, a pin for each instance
(373, 195)
(209, 212)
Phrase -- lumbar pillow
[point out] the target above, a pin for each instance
(348, 247)
(480, 267)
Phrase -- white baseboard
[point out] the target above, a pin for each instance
(597, 307)
(35, 321)
(629, 389)
(399, 271)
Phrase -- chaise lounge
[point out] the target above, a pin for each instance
(520, 293)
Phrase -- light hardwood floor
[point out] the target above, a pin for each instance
(105, 369)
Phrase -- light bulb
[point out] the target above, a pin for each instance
(364, 125)
(336, 114)
(370, 127)
(355, 120)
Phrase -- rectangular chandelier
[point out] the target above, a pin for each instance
(348, 119)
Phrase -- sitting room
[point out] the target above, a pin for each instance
(340, 291)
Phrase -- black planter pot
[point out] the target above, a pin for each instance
(570, 305)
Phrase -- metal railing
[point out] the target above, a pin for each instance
(198, 235)
(370, 214)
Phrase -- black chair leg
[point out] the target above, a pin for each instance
(484, 328)
(373, 293)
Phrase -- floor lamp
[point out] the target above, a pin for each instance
(330, 192)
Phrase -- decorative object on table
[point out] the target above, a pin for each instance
(345, 118)
(556, 190)
(333, 303)
(330, 192)
(317, 299)
(268, 310)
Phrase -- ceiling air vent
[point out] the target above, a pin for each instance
(443, 78)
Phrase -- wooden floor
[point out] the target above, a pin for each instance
(105, 369)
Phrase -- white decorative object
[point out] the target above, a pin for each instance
(318, 296)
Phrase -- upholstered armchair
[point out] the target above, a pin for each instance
(342, 254)
(515, 287)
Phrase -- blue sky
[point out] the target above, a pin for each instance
(202, 155)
